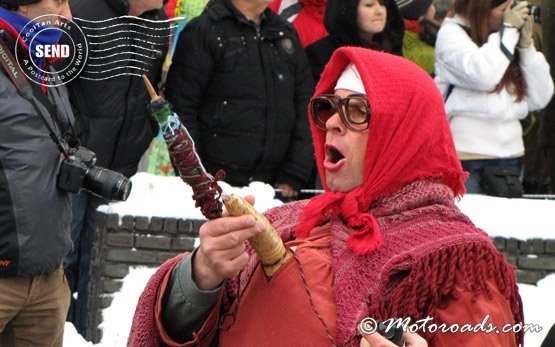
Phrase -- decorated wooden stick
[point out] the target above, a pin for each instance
(206, 191)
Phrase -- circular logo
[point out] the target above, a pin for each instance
(56, 39)
(368, 326)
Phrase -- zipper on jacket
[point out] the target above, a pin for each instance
(257, 28)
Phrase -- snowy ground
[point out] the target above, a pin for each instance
(519, 218)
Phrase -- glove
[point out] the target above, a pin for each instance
(516, 15)
(525, 39)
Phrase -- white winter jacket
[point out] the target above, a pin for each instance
(484, 122)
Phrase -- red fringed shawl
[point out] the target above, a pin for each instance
(427, 242)
(409, 139)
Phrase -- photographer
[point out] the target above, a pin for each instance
(34, 213)
(491, 76)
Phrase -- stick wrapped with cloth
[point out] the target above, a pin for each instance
(207, 193)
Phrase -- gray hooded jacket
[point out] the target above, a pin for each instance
(34, 214)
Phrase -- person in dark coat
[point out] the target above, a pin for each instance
(112, 118)
(240, 83)
(344, 21)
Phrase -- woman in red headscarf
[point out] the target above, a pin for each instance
(384, 241)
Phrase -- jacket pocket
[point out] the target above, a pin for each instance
(232, 49)
(217, 116)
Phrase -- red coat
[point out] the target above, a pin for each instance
(279, 313)
(309, 21)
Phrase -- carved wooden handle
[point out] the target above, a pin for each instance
(267, 244)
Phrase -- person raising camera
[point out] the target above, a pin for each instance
(491, 76)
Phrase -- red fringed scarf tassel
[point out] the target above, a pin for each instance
(432, 280)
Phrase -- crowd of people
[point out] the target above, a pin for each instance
(387, 105)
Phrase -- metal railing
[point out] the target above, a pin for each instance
(539, 196)
(308, 193)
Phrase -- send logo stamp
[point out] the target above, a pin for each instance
(55, 39)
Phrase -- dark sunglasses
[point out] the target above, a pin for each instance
(353, 110)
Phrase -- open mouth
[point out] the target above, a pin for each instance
(333, 155)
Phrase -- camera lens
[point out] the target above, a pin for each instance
(107, 183)
(534, 11)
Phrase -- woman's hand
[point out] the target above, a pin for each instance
(222, 252)
(516, 15)
(377, 340)
(525, 39)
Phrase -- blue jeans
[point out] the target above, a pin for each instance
(77, 264)
(475, 166)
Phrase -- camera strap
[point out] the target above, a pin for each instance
(26, 90)
(502, 46)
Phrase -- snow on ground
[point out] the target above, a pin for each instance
(116, 326)
(73, 339)
(538, 308)
(170, 197)
(519, 218)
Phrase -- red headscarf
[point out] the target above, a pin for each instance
(408, 139)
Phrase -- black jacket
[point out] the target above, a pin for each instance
(340, 20)
(111, 115)
(242, 93)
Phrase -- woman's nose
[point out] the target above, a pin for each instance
(335, 123)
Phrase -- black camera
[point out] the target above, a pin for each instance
(392, 333)
(534, 11)
(79, 171)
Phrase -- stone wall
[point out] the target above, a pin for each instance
(140, 241)
(136, 241)
(533, 258)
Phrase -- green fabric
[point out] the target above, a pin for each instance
(159, 162)
(418, 52)
(189, 8)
